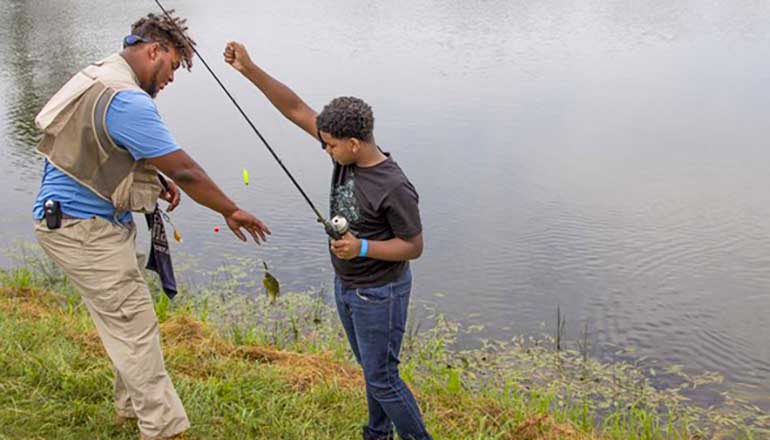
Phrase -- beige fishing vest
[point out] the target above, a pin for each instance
(76, 140)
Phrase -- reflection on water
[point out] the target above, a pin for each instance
(607, 157)
(36, 64)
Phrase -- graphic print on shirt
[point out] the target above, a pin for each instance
(344, 200)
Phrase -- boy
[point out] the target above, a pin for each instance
(373, 279)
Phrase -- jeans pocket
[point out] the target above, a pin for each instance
(375, 295)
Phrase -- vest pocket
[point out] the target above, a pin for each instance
(139, 191)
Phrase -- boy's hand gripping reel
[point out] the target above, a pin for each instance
(337, 227)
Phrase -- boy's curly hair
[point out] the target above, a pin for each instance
(173, 31)
(347, 117)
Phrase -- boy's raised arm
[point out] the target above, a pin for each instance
(281, 96)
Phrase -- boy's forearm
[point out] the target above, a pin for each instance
(395, 249)
(281, 96)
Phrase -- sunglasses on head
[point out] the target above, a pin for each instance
(130, 40)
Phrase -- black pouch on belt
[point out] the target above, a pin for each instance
(52, 211)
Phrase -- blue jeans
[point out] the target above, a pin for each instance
(374, 320)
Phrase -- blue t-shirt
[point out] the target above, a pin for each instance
(134, 124)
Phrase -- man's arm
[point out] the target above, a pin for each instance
(134, 123)
(183, 170)
(282, 97)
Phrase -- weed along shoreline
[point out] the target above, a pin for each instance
(246, 368)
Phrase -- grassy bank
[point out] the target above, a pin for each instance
(245, 369)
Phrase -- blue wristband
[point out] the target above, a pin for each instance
(364, 247)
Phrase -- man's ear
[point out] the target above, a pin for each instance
(154, 51)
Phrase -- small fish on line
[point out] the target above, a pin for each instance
(272, 287)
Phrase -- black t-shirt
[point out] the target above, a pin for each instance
(379, 203)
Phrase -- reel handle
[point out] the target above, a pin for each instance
(337, 227)
(331, 232)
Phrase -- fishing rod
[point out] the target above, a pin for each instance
(338, 226)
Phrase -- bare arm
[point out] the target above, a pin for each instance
(395, 249)
(183, 170)
(281, 96)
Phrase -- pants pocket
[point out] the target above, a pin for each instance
(375, 295)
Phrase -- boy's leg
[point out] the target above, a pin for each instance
(343, 310)
(379, 320)
(379, 426)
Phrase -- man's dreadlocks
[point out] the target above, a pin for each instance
(161, 29)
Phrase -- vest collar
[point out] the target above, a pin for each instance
(119, 63)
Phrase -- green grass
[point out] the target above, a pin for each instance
(56, 383)
(245, 369)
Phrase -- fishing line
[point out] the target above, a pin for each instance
(327, 226)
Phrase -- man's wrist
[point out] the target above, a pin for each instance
(227, 212)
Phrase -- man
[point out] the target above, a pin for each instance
(104, 144)
(373, 278)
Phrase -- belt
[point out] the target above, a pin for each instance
(66, 217)
(69, 217)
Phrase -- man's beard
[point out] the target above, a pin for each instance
(152, 88)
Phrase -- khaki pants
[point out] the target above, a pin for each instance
(99, 257)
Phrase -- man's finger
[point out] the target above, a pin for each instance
(263, 230)
(174, 201)
(258, 231)
(254, 230)
(254, 235)
(238, 233)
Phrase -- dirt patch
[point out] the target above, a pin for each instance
(544, 428)
(29, 303)
(301, 370)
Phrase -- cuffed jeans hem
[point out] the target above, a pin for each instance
(370, 434)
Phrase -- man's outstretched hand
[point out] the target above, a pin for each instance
(242, 219)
